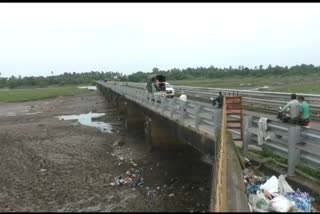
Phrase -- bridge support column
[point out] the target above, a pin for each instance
(158, 136)
(134, 118)
(121, 105)
(108, 94)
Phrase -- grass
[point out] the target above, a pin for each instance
(22, 95)
(305, 169)
(291, 84)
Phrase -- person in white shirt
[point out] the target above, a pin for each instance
(293, 106)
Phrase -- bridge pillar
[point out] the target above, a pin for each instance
(158, 136)
(134, 118)
(121, 105)
(108, 94)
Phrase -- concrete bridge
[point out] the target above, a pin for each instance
(172, 124)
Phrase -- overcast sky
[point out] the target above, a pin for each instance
(37, 38)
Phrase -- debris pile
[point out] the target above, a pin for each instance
(272, 194)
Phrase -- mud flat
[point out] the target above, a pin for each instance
(49, 164)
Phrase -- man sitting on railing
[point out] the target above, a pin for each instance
(304, 113)
(219, 99)
(293, 106)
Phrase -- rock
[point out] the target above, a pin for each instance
(133, 163)
(112, 184)
(201, 189)
(121, 158)
(198, 204)
(43, 170)
(171, 195)
(75, 124)
(119, 142)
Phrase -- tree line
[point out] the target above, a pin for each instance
(214, 72)
(171, 74)
(63, 79)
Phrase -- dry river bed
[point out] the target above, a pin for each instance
(49, 164)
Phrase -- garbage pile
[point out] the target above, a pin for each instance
(128, 179)
(272, 194)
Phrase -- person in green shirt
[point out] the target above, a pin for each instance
(304, 115)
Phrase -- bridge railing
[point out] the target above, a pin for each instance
(284, 139)
(269, 101)
(297, 144)
(191, 113)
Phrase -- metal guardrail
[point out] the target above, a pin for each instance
(260, 99)
(284, 138)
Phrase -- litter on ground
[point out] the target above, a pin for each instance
(272, 194)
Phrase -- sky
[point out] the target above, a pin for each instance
(37, 38)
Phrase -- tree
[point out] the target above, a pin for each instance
(155, 70)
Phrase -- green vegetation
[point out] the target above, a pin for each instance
(296, 83)
(267, 152)
(20, 95)
(304, 169)
(87, 78)
(299, 79)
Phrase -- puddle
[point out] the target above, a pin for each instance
(89, 87)
(86, 119)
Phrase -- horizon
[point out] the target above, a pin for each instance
(130, 37)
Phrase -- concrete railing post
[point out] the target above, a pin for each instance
(183, 110)
(247, 136)
(217, 118)
(156, 98)
(171, 107)
(293, 153)
(197, 116)
(163, 104)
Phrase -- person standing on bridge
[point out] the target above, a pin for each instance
(293, 106)
(219, 99)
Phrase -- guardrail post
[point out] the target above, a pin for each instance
(293, 153)
(247, 136)
(182, 111)
(163, 104)
(171, 107)
(197, 116)
(154, 101)
(150, 99)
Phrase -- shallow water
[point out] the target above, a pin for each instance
(86, 119)
(89, 87)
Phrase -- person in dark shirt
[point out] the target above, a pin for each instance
(219, 99)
